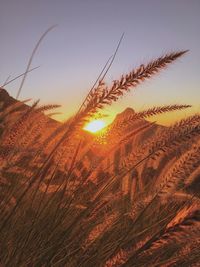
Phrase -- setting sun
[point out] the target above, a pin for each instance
(95, 126)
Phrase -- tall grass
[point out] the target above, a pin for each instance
(60, 206)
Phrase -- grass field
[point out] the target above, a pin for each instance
(128, 195)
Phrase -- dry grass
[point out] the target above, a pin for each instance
(62, 204)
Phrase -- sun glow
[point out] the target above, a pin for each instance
(95, 126)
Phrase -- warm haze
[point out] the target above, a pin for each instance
(113, 181)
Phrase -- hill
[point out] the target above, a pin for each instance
(150, 170)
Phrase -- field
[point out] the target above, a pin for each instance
(128, 195)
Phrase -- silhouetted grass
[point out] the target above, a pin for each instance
(68, 200)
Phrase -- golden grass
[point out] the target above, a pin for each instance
(62, 204)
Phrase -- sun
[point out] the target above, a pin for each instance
(95, 126)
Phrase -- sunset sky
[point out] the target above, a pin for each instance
(73, 54)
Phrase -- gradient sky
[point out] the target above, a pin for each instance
(72, 55)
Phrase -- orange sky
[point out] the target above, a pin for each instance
(73, 54)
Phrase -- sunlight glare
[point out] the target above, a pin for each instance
(95, 126)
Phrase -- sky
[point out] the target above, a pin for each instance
(73, 54)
